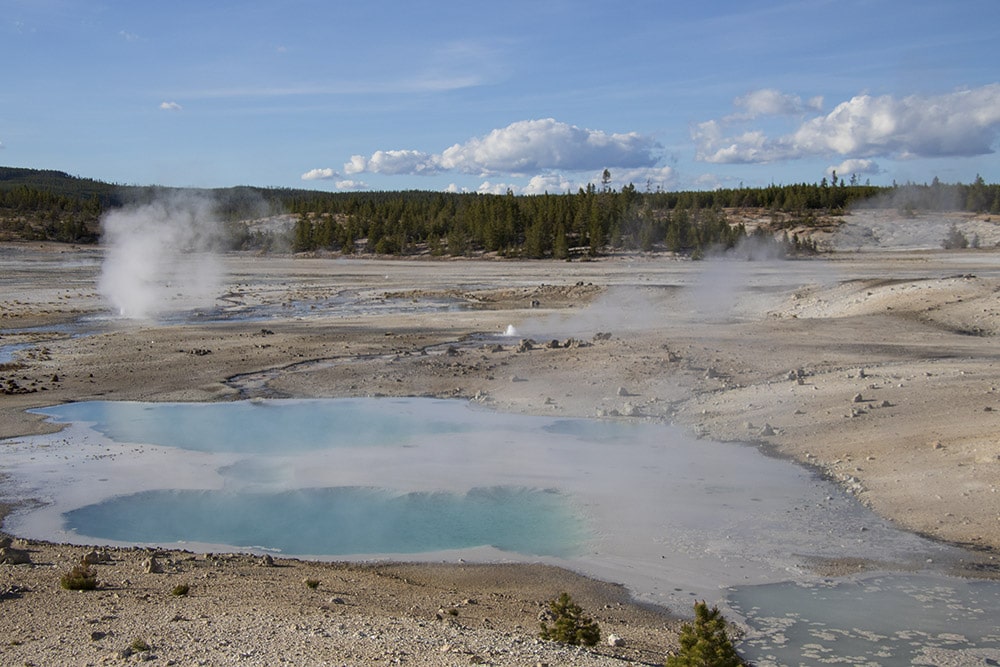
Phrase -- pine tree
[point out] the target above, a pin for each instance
(570, 626)
(705, 643)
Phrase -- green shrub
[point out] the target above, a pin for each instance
(139, 645)
(705, 643)
(570, 625)
(180, 589)
(80, 578)
(312, 583)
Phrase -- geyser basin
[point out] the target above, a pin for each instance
(650, 507)
(673, 518)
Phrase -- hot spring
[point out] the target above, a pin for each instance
(673, 518)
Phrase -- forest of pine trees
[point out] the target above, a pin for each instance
(595, 220)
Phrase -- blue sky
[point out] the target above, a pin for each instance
(485, 96)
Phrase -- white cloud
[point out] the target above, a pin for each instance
(352, 185)
(533, 146)
(128, 36)
(771, 102)
(170, 106)
(393, 162)
(963, 123)
(854, 166)
(489, 188)
(325, 174)
(662, 178)
(552, 183)
(749, 147)
(521, 148)
(708, 182)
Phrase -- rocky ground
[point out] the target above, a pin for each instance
(878, 369)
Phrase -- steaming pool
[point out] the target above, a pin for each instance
(673, 518)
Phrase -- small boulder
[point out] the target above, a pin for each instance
(12, 556)
(615, 640)
(95, 556)
(631, 410)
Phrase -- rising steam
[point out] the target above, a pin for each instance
(159, 258)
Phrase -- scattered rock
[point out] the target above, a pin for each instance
(525, 345)
(602, 336)
(95, 556)
(631, 410)
(768, 430)
(858, 398)
(12, 556)
(615, 640)
(267, 561)
(152, 566)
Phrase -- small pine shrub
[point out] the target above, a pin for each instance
(705, 643)
(180, 590)
(139, 645)
(80, 578)
(570, 625)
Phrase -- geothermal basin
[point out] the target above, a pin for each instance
(673, 518)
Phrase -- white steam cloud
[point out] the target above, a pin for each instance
(158, 257)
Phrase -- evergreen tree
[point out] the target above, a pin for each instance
(705, 643)
(570, 625)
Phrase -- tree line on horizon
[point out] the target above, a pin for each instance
(50, 205)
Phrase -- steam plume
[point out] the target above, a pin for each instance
(159, 256)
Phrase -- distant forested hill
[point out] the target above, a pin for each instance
(52, 205)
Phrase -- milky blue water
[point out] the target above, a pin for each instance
(675, 519)
(341, 521)
(890, 619)
(263, 427)
(256, 509)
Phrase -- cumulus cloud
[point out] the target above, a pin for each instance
(170, 106)
(393, 162)
(532, 146)
(959, 124)
(324, 174)
(771, 102)
(749, 147)
(521, 148)
(854, 166)
(352, 185)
